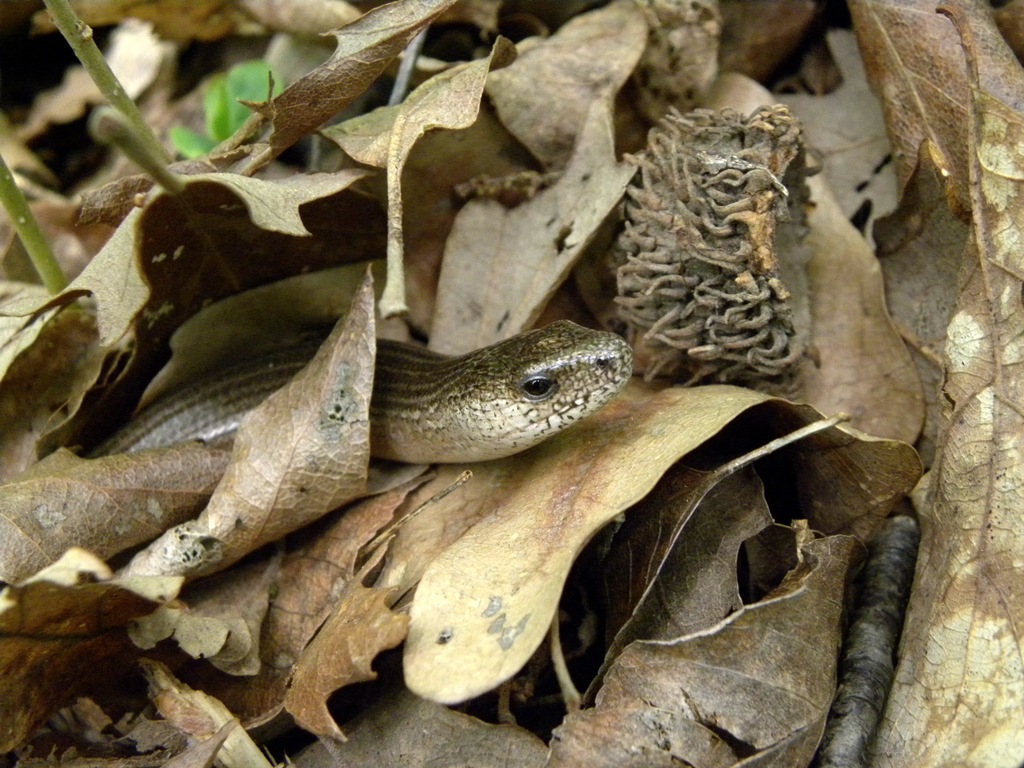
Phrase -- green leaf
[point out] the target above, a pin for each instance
(188, 143)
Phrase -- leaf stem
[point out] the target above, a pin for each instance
(28, 230)
(79, 37)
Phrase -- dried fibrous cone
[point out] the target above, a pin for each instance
(680, 61)
(698, 278)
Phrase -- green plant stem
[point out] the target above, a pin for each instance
(79, 37)
(27, 227)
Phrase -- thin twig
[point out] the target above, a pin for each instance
(405, 69)
(869, 650)
(25, 224)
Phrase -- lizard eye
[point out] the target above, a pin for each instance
(538, 388)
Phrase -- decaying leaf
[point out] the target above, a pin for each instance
(63, 631)
(959, 682)
(106, 505)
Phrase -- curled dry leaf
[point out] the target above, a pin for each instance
(959, 683)
(915, 65)
(586, 61)
(300, 454)
(106, 505)
(478, 614)
(493, 286)
(384, 138)
(730, 694)
(63, 631)
(365, 47)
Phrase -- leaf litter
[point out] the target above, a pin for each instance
(699, 609)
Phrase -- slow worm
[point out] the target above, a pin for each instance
(426, 407)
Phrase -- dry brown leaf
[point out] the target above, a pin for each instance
(365, 47)
(920, 249)
(302, 453)
(479, 614)
(754, 690)
(959, 684)
(502, 266)
(697, 584)
(865, 369)
(179, 252)
(399, 728)
(915, 66)
(384, 138)
(105, 505)
(62, 632)
(343, 652)
(545, 97)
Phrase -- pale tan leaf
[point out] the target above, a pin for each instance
(502, 266)
(545, 97)
(479, 613)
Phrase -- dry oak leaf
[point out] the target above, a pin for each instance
(958, 695)
(478, 614)
(62, 632)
